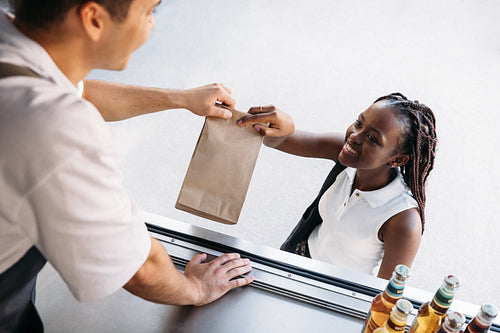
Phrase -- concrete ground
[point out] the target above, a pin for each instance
(324, 62)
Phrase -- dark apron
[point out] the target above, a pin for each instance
(297, 240)
(17, 284)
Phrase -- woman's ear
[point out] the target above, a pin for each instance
(93, 16)
(399, 160)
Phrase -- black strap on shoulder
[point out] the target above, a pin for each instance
(8, 70)
(311, 218)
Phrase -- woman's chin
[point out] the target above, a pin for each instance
(345, 160)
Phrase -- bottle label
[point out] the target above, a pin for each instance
(476, 327)
(394, 290)
(443, 299)
(394, 327)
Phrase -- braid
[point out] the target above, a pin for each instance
(419, 142)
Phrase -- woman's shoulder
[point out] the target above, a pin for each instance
(404, 224)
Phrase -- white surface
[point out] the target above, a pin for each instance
(324, 62)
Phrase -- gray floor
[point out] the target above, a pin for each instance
(324, 62)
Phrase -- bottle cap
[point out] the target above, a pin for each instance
(402, 272)
(489, 311)
(455, 319)
(404, 306)
(452, 282)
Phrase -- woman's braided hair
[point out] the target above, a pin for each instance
(419, 135)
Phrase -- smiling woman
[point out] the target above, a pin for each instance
(370, 215)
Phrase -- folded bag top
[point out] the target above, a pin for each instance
(220, 170)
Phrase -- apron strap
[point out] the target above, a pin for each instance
(8, 69)
(17, 291)
(17, 295)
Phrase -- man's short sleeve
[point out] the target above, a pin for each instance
(88, 228)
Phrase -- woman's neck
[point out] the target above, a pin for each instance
(370, 180)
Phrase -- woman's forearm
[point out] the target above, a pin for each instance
(308, 144)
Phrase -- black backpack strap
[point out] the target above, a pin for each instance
(311, 218)
(8, 70)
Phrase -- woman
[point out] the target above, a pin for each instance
(370, 214)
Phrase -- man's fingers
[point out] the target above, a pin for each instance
(217, 111)
(240, 282)
(227, 257)
(235, 272)
(199, 258)
(224, 95)
(226, 88)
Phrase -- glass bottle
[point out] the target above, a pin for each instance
(453, 323)
(431, 314)
(482, 321)
(397, 319)
(383, 303)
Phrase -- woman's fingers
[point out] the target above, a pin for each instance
(257, 118)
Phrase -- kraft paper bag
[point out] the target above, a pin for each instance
(220, 170)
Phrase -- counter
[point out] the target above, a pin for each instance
(290, 294)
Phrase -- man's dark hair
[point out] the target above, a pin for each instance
(43, 13)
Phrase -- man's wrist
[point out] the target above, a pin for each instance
(178, 98)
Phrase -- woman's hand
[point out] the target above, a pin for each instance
(280, 123)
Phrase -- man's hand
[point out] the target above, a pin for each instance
(159, 281)
(201, 100)
(217, 277)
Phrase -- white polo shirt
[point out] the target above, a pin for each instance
(348, 236)
(60, 188)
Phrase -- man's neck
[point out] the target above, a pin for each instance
(63, 51)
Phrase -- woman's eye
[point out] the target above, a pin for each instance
(372, 138)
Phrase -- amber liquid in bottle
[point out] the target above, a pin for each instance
(431, 314)
(383, 303)
(481, 323)
(397, 320)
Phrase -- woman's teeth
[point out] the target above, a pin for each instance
(349, 149)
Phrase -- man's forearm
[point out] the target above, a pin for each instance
(119, 101)
(159, 281)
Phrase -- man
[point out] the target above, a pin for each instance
(62, 199)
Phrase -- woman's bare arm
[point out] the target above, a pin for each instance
(281, 134)
(401, 235)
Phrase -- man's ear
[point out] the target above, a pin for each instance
(93, 17)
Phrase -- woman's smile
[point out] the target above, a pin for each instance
(349, 150)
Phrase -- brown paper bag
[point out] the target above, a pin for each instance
(220, 170)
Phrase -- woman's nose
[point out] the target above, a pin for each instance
(355, 137)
